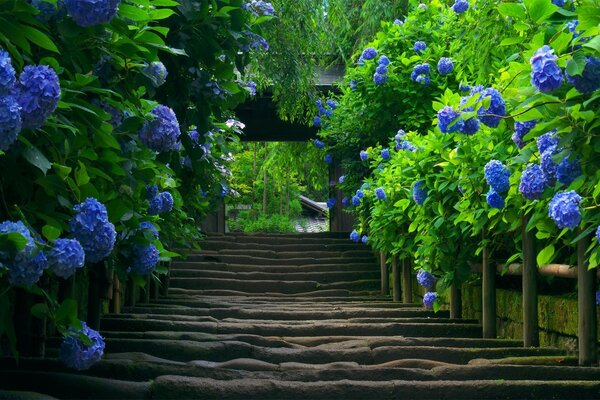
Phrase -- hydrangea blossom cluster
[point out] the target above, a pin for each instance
(380, 77)
(385, 154)
(491, 116)
(460, 6)
(91, 228)
(522, 129)
(161, 203)
(26, 266)
(598, 234)
(10, 121)
(331, 202)
(354, 236)
(328, 158)
(324, 111)
(254, 42)
(419, 192)
(116, 115)
(318, 144)
(7, 73)
(494, 199)
(559, 3)
(360, 194)
(546, 141)
(92, 12)
(447, 116)
(567, 171)
(429, 299)
(402, 143)
(380, 193)
(342, 179)
(364, 155)
(398, 22)
(549, 166)
(365, 239)
(259, 7)
(145, 259)
(426, 279)
(49, 11)
(589, 80)
(546, 75)
(156, 72)
(564, 209)
(77, 355)
(37, 92)
(420, 74)
(162, 133)
(147, 226)
(445, 66)
(345, 202)
(497, 175)
(471, 125)
(66, 257)
(419, 46)
(355, 201)
(369, 53)
(533, 182)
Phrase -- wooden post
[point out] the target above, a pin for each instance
(385, 280)
(586, 295)
(164, 287)
(117, 299)
(455, 301)
(146, 298)
(531, 337)
(395, 279)
(406, 281)
(95, 291)
(488, 288)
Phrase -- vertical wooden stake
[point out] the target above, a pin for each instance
(455, 301)
(395, 279)
(385, 280)
(406, 281)
(586, 295)
(531, 337)
(116, 300)
(488, 288)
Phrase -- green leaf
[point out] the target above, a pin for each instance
(514, 10)
(36, 158)
(40, 310)
(545, 256)
(12, 242)
(576, 64)
(81, 175)
(50, 232)
(540, 10)
(66, 314)
(593, 44)
(39, 38)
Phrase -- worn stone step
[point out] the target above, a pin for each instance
(313, 328)
(322, 237)
(184, 298)
(275, 254)
(250, 260)
(321, 277)
(326, 294)
(272, 267)
(318, 245)
(178, 387)
(277, 286)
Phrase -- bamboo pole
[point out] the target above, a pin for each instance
(455, 301)
(586, 298)
(395, 279)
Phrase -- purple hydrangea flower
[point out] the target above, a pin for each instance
(259, 7)
(364, 155)
(66, 257)
(251, 87)
(10, 121)
(145, 259)
(156, 72)
(328, 158)
(92, 12)
(369, 53)
(380, 193)
(354, 236)
(447, 116)
(460, 6)
(547, 140)
(419, 47)
(426, 279)
(522, 129)
(491, 116)
(567, 171)
(419, 192)
(589, 80)
(37, 92)
(331, 202)
(361, 61)
(533, 182)
(152, 191)
(379, 79)
(365, 239)
(161, 203)
(564, 210)
(77, 355)
(318, 144)
(91, 228)
(429, 299)
(546, 75)
(355, 201)
(385, 154)
(494, 199)
(445, 66)
(497, 175)
(162, 133)
(7, 73)
(383, 60)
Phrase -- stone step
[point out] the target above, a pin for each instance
(326, 294)
(322, 237)
(321, 277)
(251, 260)
(273, 267)
(263, 286)
(312, 328)
(278, 255)
(317, 245)
(258, 300)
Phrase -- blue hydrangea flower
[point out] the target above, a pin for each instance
(77, 355)
(360, 62)
(426, 279)
(156, 72)
(26, 266)
(251, 87)
(597, 297)
(355, 201)
(7, 73)
(365, 239)
(353, 85)
(331, 202)
(254, 42)
(317, 121)
(342, 179)
(354, 236)
(259, 7)
(116, 115)
(546, 75)
(329, 113)
(147, 226)
(49, 11)
(429, 299)
(383, 60)
(423, 80)
(471, 126)
(379, 79)
(491, 116)
(328, 158)
(598, 239)
(161, 203)
(385, 154)
(567, 171)
(494, 199)
(380, 193)
(151, 192)
(162, 133)
(549, 166)
(419, 47)
(381, 69)
(369, 53)
(559, 3)
(463, 87)
(400, 135)
(564, 209)
(420, 73)
(405, 145)
(10, 121)
(398, 22)
(360, 194)
(91, 228)
(589, 80)
(92, 12)
(445, 66)
(547, 140)
(497, 175)
(460, 6)
(37, 93)
(332, 104)
(533, 182)
(447, 116)
(345, 202)
(145, 259)
(364, 155)
(66, 257)
(419, 192)
(522, 129)
(319, 144)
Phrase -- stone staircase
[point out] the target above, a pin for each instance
(297, 317)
